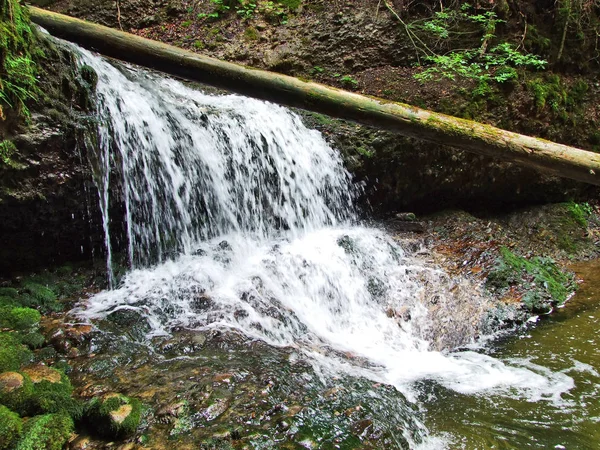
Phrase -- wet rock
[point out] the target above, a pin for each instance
(362, 428)
(200, 303)
(174, 410)
(132, 322)
(183, 344)
(219, 402)
(80, 443)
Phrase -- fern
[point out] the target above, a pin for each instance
(18, 82)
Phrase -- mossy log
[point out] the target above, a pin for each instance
(547, 157)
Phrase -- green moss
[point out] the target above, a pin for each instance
(10, 428)
(51, 397)
(89, 75)
(12, 353)
(32, 339)
(40, 296)
(8, 301)
(562, 100)
(579, 212)
(9, 292)
(544, 283)
(102, 415)
(47, 432)
(7, 151)
(292, 4)
(18, 318)
(251, 34)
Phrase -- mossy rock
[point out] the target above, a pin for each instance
(16, 392)
(32, 339)
(11, 428)
(52, 392)
(544, 283)
(6, 301)
(12, 353)
(9, 292)
(114, 415)
(40, 296)
(19, 318)
(47, 432)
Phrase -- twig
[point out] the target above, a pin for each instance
(412, 36)
(564, 36)
(522, 44)
(119, 15)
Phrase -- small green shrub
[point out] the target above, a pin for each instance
(47, 432)
(497, 63)
(10, 428)
(348, 81)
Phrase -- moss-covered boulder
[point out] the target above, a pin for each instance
(47, 432)
(12, 353)
(114, 415)
(10, 428)
(16, 392)
(18, 318)
(40, 296)
(32, 339)
(52, 392)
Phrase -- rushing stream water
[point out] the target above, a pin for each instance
(239, 218)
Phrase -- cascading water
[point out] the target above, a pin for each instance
(240, 218)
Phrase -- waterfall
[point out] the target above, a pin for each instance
(240, 218)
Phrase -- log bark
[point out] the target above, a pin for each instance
(545, 156)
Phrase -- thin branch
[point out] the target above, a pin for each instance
(412, 36)
(119, 14)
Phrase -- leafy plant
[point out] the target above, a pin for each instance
(347, 80)
(18, 82)
(484, 64)
(246, 9)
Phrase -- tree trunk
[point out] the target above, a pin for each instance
(548, 157)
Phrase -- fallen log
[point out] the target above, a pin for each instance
(547, 157)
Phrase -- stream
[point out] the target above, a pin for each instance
(567, 344)
(263, 311)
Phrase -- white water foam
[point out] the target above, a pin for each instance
(248, 218)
